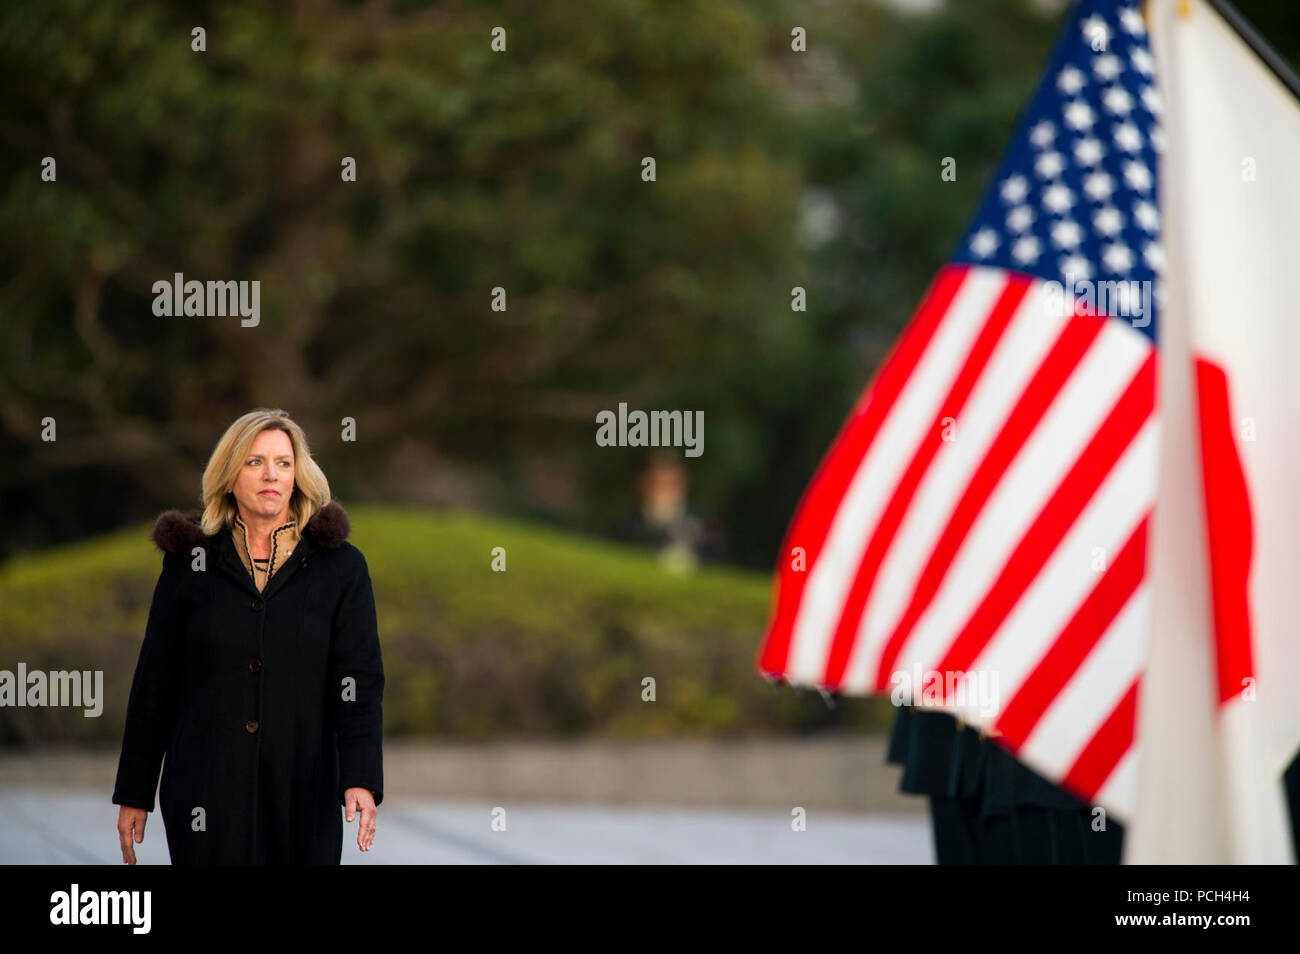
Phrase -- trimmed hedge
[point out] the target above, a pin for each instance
(557, 645)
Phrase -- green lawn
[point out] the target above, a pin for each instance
(557, 645)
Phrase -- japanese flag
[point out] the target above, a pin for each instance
(1219, 706)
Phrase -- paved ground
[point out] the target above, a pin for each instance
(663, 802)
(42, 826)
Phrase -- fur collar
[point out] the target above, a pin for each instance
(177, 532)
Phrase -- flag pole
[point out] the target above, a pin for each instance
(1272, 59)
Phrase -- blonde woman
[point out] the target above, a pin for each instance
(260, 677)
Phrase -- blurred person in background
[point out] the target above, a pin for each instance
(665, 522)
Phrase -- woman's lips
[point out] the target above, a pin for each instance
(264, 493)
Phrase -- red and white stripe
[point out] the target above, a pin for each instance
(1016, 547)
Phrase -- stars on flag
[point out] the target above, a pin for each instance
(1077, 192)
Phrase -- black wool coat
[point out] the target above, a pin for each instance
(266, 705)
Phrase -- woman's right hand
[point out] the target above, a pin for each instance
(130, 827)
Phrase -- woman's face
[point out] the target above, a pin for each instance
(265, 481)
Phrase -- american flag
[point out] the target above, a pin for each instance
(985, 508)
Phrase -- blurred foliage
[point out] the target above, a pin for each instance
(479, 170)
(557, 645)
(476, 170)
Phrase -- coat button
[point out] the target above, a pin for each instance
(255, 664)
(258, 604)
(251, 725)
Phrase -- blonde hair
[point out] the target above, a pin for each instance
(311, 490)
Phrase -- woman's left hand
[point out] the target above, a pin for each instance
(361, 799)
